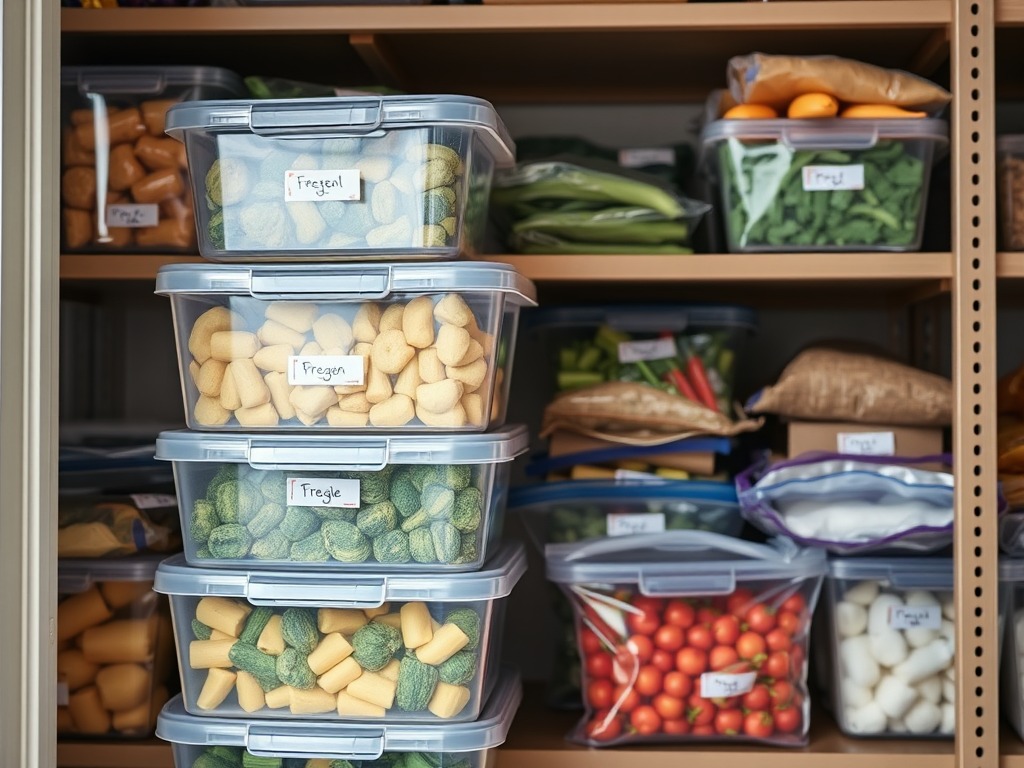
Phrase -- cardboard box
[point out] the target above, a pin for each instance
(864, 439)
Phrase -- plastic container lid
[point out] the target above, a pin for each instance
(681, 562)
(133, 81)
(331, 452)
(357, 282)
(77, 575)
(651, 317)
(912, 572)
(619, 490)
(495, 580)
(352, 741)
(345, 116)
(1010, 142)
(826, 133)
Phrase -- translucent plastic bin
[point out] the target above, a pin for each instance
(672, 345)
(451, 746)
(115, 648)
(382, 177)
(890, 663)
(302, 347)
(431, 503)
(823, 185)
(1010, 183)
(114, 151)
(691, 636)
(338, 647)
(1011, 572)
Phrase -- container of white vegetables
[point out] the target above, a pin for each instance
(893, 628)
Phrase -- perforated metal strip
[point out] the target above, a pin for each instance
(974, 376)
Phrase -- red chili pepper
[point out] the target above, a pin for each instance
(675, 376)
(699, 378)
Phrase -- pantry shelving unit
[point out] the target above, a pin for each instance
(552, 53)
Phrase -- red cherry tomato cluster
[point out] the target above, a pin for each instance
(648, 682)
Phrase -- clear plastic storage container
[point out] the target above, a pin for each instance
(115, 648)
(689, 635)
(308, 744)
(1011, 570)
(891, 664)
(837, 184)
(1010, 183)
(381, 177)
(690, 348)
(124, 185)
(271, 644)
(428, 503)
(400, 347)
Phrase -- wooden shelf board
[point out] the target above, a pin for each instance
(1010, 264)
(150, 753)
(117, 266)
(1009, 13)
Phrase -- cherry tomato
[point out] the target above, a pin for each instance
(680, 686)
(646, 720)
(680, 614)
(729, 722)
(781, 692)
(626, 697)
(758, 724)
(759, 697)
(700, 637)
(663, 660)
(796, 656)
(692, 661)
(603, 727)
(669, 707)
(624, 666)
(786, 720)
(676, 727)
(778, 640)
(600, 694)
(648, 682)
(761, 618)
(669, 638)
(649, 604)
(589, 641)
(641, 647)
(706, 616)
(722, 656)
(700, 711)
(750, 645)
(739, 602)
(643, 623)
(790, 622)
(703, 730)
(795, 604)
(777, 665)
(726, 629)
(599, 665)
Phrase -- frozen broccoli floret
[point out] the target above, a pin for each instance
(229, 542)
(267, 519)
(377, 519)
(392, 547)
(228, 181)
(374, 487)
(310, 549)
(274, 486)
(204, 520)
(298, 523)
(237, 500)
(273, 546)
(433, 236)
(405, 496)
(345, 542)
(436, 206)
(469, 504)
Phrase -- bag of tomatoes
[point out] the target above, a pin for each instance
(690, 635)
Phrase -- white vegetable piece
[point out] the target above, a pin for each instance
(858, 663)
(888, 647)
(920, 597)
(895, 725)
(948, 634)
(878, 613)
(894, 696)
(930, 689)
(919, 638)
(851, 619)
(867, 719)
(949, 610)
(925, 662)
(923, 717)
(950, 673)
(855, 695)
(862, 594)
(949, 691)
(948, 724)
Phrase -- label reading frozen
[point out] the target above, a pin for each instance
(326, 370)
(628, 524)
(154, 500)
(915, 617)
(825, 178)
(321, 186)
(721, 685)
(638, 158)
(62, 694)
(649, 349)
(866, 443)
(141, 215)
(323, 492)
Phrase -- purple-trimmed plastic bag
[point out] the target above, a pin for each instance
(853, 504)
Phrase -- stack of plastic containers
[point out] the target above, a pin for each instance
(343, 494)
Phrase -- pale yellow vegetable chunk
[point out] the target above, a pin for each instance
(218, 685)
(339, 676)
(123, 686)
(226, 615)
(350, 706)
(250, 695)
(87, 711)
(416, 628)
(312, 702)
(204, 654)
(448, 700)
(271, 640)
(445, 643)
(331, 651)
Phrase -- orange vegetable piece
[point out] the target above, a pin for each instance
(750, 112)
(883, 111)
(813, 105)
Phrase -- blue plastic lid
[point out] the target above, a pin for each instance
(619, 490)
(651, 318)
(912, 572)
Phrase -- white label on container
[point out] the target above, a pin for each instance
(320, 186)
(649, 349)
(638, 158)
(915, 616)
(62, 694)
(721, 685)
(866, 443)
(154, 500)
(323, 492)
(632, 474)
(629, 524)
(825, 178)
(141, 215)
(326, 370)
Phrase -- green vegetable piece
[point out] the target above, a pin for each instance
(392, 547)
(416, 684)
(274, 486)
(209, 760)
(310, 549)
(405, 496)
(469, 505)
(227, 181)
(266, 519)
(375, 644)
(468, 621)
(345, 542)
(255, 625)
(274, 546)
(468, 550)
(204, 520)
(378, 519)
(434, 173)
(335, 513)
(237, 500)
(420, 475)
(454, 476)
(203, 553)
(200, 630)
(438, 501)
(447, 541)
(437, 206)
(459, 669)
(252, 761)
(421, 546)
(298, 523)
(293, 669)
(232, 755)
(298, 628)
(249, 658)
(374, 487)
(215, 229)
(434, 236)
(229, 542)
(225, 473)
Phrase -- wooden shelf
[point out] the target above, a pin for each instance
(151, 753)
(117, 266)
